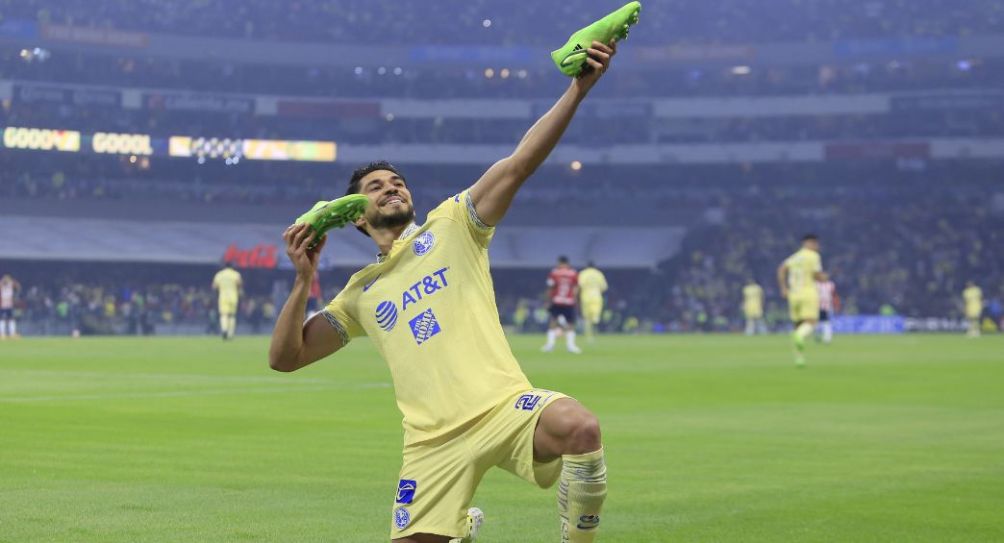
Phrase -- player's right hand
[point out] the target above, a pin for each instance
(298, 238)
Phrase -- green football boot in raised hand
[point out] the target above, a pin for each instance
(337, 213)
(572, 56)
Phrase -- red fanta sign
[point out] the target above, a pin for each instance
(260, 256)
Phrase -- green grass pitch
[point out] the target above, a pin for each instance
(708, 438)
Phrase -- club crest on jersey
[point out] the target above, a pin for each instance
(401, 518)
(423, 243)
(386, 315)
(424, 326)
(406, 491)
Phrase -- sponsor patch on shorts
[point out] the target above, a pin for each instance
(406, 490)
(401, 518)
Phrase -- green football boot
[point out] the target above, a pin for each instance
(571, 58)
(337, 213)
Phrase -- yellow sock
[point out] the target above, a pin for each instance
(582, 488)
(804, 330)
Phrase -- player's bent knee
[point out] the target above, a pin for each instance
(585, 436)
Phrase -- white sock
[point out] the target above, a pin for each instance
(232, 328)
(582, 488)
(12, 325)
(750, 327)
(827, 331)
(570, 340)
(3, 328)
(551, 335)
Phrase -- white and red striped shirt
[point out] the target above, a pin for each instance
(564, 283)
(828, 299)
(7, 294)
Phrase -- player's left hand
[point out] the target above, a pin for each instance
(598, 62)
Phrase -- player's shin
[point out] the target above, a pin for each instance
(552, 334)
(827, 332)
(582, 488)
(570, 341)
(804, 330)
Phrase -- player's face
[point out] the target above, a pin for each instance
(390, 200)
(812, 244)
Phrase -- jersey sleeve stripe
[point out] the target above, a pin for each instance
(333, 321)
(474, 213)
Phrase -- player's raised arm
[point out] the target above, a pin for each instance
(296, 344)
(493, 193)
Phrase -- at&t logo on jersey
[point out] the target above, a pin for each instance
(386, 315)
(425, 325)
(430, 284)
(423, 243)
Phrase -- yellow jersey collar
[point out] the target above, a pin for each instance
(407, 232)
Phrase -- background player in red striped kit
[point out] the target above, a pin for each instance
(563, 283)
(829, 304)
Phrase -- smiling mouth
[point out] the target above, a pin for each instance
(394, 200)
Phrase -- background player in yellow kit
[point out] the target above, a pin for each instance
(973, 298)
(228, 283)
(796, 277)
(753, 307)
(428, 306)
(592, 285)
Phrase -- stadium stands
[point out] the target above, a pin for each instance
(344, 21)
(886, 113)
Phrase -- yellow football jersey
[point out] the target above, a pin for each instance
(429, 308)
(592, 285)
(802, 269)
(228, 282)
(753, 300)
(974, 299)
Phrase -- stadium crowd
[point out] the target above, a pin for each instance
(636, 125)
(96, 308)
(885, 248)
(902, 243)
(438, 82)
(464, 21)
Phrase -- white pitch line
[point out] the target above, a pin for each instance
(165, 376)
(187, 393)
